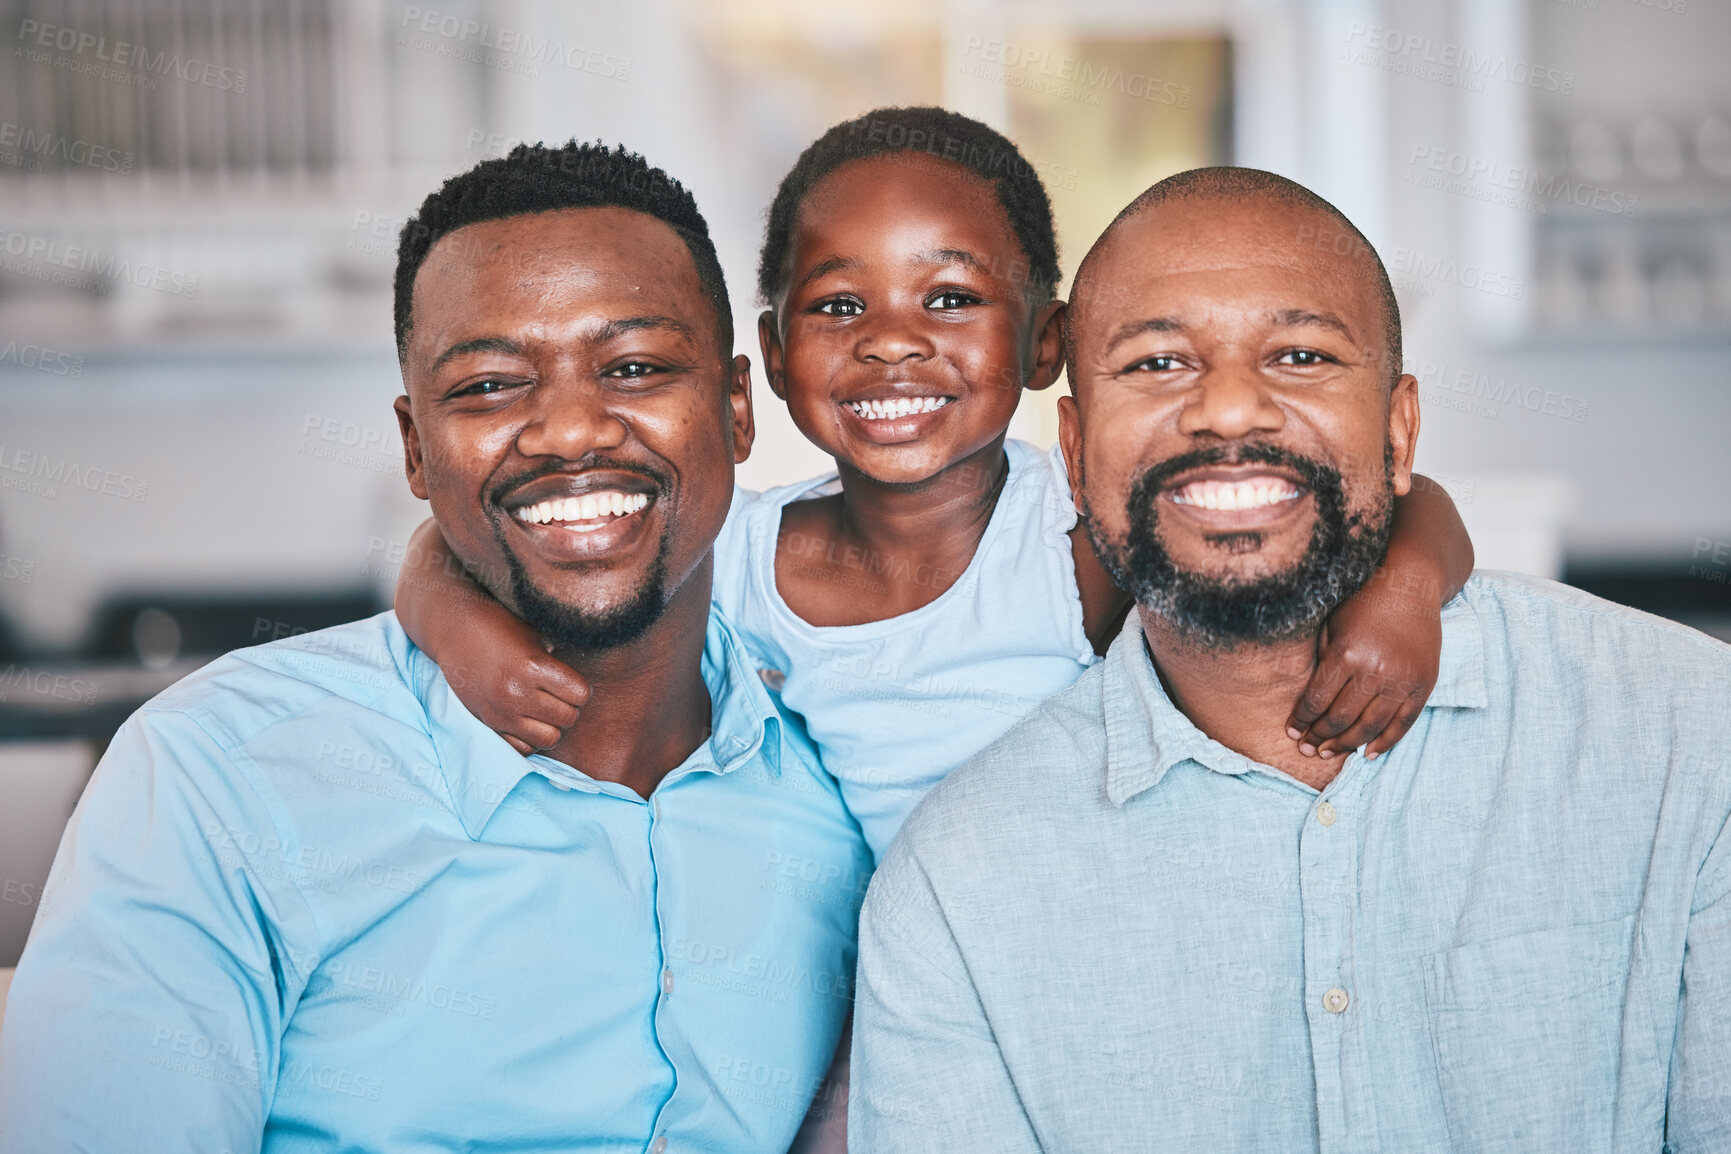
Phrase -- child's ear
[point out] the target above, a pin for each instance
(1047, 330)
(769, 340)
(413, 465)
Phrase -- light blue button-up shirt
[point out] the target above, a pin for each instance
(308, 901)
(1512, 933)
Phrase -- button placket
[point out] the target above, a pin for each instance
(1327, 868)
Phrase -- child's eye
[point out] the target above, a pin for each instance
(841, 307)
(952, 299)
(1302, 358)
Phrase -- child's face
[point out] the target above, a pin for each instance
(905, 338)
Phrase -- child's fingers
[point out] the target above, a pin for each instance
(1371, 721)
(1324, 686)
(553, 710)
(557, 678)
(1345, 709)
(536, 734)
(1404, 718)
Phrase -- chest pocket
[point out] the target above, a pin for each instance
(1530, 1041)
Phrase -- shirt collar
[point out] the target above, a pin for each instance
(1146, 734)
(1460, 682)
(481, 770)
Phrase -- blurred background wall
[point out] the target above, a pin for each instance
(199, 202)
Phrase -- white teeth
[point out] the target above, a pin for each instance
(587, 507)
(1235, 494)
(894, 408)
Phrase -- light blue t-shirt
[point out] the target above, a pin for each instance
(1509, 935)
(894, 705)
(308, 900)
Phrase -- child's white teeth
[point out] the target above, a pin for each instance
(1236, 494)
(892, 408)
(607, 503)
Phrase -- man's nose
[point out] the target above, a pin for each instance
(571, 416)
(1231, 402)
(892, 335)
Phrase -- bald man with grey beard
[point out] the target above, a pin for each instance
(1143, 921)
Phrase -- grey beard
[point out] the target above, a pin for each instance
(1344, 550)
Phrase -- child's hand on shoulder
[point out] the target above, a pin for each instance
(1377, 661)
(497, 666)
(517, 689)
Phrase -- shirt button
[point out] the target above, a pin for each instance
(659, 1146)
(1335, 1000)
(1325, 813)
(666, 988)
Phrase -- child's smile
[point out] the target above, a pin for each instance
(889, 418)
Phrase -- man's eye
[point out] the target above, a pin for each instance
(1302, 358)
(485, 387)
(633, 369)
(841, 307)
(1158, 363)
(952, 299)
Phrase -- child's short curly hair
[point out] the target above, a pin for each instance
(934, 132)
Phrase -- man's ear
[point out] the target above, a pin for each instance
(739, 398)
(413, 464)
(769, 340)
(1048, 359)
(1070, 443)
(1403, 431)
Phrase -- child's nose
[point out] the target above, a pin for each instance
(891, 336)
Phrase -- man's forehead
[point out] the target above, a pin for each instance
(570, 241)
(1169, 263)
(571, 269)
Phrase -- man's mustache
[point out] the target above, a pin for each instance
(1314, 475)
(502, 488)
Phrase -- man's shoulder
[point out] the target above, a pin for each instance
(1527, 615)
(359, 666)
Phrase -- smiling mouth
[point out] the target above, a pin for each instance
(895, 408)
(584, 513)
(1253, 493)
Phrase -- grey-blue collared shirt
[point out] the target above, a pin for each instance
(1511, 933)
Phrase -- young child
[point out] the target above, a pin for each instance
(914, 604)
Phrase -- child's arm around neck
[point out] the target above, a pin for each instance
(1377, 657)
(497, 666)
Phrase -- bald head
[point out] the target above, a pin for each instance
(1220, 200)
